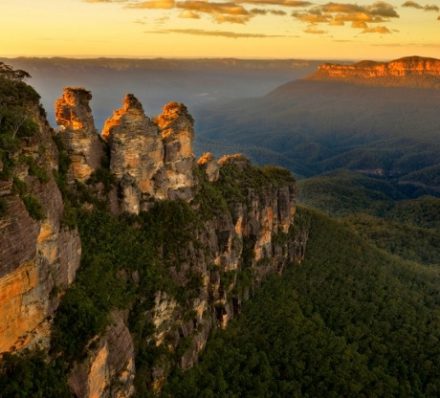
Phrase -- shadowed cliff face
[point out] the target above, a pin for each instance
(404, 72)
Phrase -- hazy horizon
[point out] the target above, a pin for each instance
(281, 29)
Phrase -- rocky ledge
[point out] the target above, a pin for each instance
(406, 72)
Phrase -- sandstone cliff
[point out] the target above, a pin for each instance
(39, 257)
(403, 72)
(152, 285)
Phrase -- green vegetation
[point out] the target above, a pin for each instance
(29, 375)
(35, 170)
(350, 321)
(404, 240)
(16, 99)
(380, 211)
(32, 204)
(114, 248)
(236, 181)
(33, 207)
(3, 207)
(342, 193)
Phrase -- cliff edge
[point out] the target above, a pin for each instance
(404, 72)
(120, 253)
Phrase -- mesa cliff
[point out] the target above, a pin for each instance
(121, 253)
(404, 72)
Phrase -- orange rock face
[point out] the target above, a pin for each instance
(409, 71)
(20, 309)
(152, 160)
(77, 129)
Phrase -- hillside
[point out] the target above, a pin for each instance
(315, 126)
(350, 321)
(380, 212)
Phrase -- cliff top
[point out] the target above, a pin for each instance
(411, 71)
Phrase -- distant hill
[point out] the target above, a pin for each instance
(313, 126)
(404, 72)
(379, 210)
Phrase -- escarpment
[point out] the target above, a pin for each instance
(403, 72)
(171, 246)
(39, 256)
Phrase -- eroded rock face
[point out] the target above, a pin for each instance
(77, 130)
(252, 239)
(176, 127)
(38, 257)
(136, 153)
(409, 71)
(108, 371)
(151, 160)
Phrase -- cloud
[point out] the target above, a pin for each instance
(417, 6)
(154, 4)
(105, 1)
(359, 17)
(220, 12)
(263, 11)
(283, 3)
(218, 33)
(314, 30)
(213, 7)
(189, 14)
(377, 29)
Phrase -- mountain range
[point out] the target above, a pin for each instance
(342, 116)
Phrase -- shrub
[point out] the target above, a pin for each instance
(33, 207)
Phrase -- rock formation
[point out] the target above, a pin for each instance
(208, 163)
(151, 160)
(177, 130)
(77, 129)
(136, 153)
(405, 72)
(109, 369)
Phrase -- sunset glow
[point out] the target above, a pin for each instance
(244, 28)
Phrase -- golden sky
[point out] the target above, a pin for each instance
(234, 28)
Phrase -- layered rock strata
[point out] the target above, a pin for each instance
(38, 256)
(409, 71)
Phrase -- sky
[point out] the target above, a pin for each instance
(299, 29)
